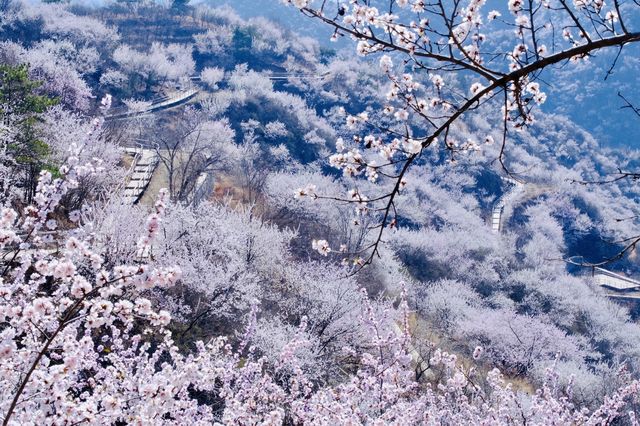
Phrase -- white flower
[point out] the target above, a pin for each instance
(371, 141)
(418, 6)
(321, 246)
(401, 115)
(64, 270)
(6, 237)
(143, 306)
(164, 318)
(7, 217)
(476, 88)
(542, 50)
(515, 6)
(611, 16)
(533, 88)
(308, 191)
(110, 403)
(387, 152)
(522, 21)
(437, 81)
(363, 48)
(519, 50)
(103, 307)
(7, 348)
(540, 98)
(72, 243)
(477, 352)
(493, 15)
(300, 192)
(106, 101)
(372, 173)
(349, 171)
(412, 146)
(337, 161)
(71, 361)
(364, 116)
(123, 308)
(42, 306)
(352, 122)
(386, 63)
(80, 287)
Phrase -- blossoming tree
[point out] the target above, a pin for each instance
(444, 60)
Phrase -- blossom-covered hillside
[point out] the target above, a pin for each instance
(212, 214)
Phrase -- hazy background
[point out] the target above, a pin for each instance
(577, 92)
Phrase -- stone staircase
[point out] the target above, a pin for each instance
(145, 162)
(506, 198)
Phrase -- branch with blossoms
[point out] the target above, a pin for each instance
(57, 302)
(628, 244)
(43, 308)
(52, 304)
(49, 193)
(437, 42)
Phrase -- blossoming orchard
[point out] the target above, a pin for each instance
(208, 218)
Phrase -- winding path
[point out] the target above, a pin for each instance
(177, 99)
(498, 208)
(615, 285)
(145, 162)
(183, 96)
